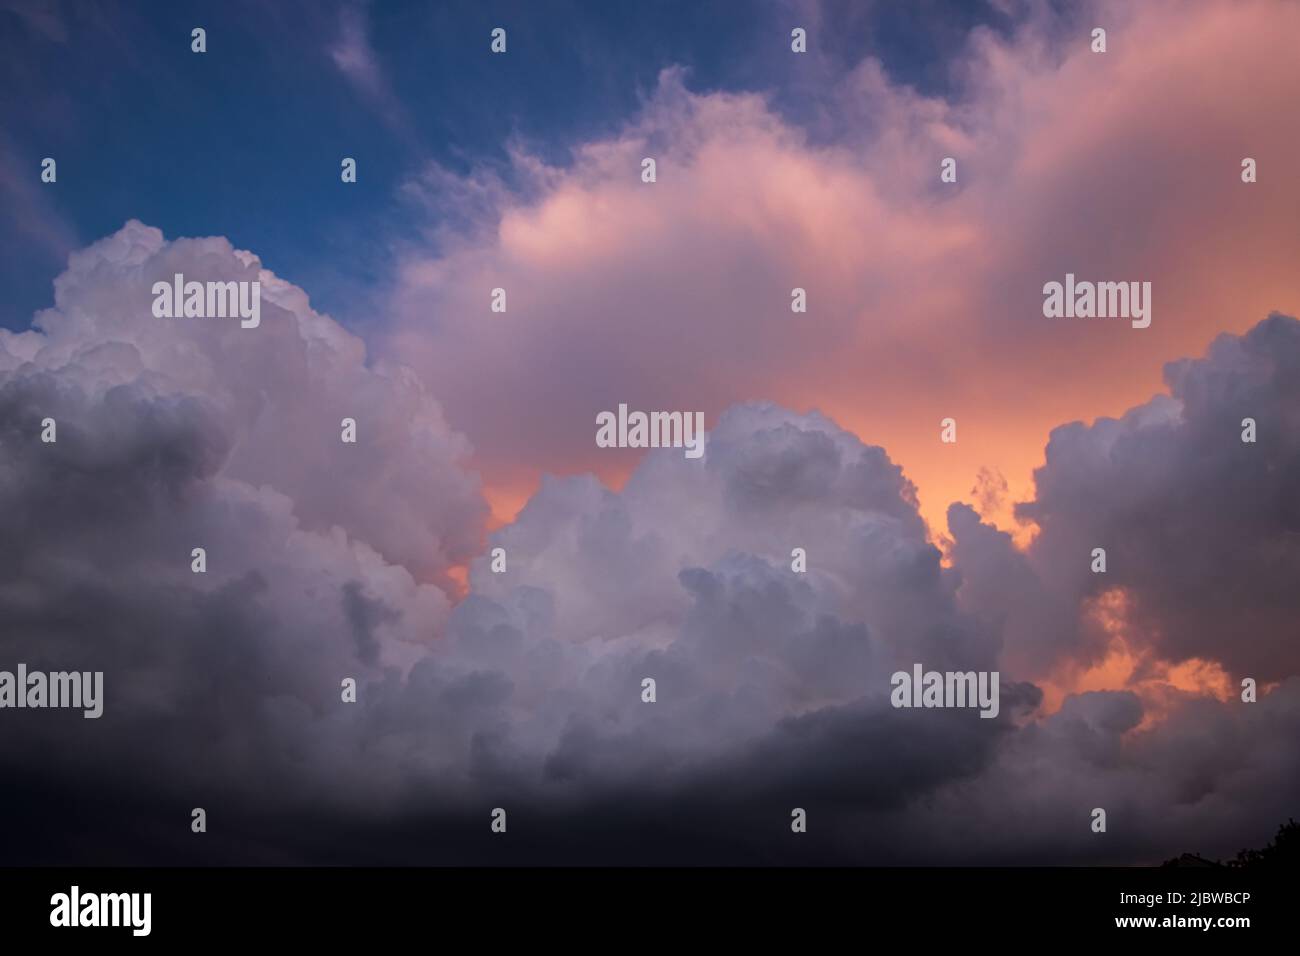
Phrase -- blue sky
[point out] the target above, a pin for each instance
(245, 140)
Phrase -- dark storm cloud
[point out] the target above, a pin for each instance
(222, 690)
(1201, 529)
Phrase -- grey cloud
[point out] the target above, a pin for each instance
(222, 690)
(1200, 529)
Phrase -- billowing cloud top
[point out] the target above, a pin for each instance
(1122, 166)
(328, 560)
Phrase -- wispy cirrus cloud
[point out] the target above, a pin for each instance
(355, 58)
(32, 217)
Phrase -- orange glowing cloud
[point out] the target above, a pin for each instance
(1128, 663)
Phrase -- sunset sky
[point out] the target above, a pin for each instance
(775, 170)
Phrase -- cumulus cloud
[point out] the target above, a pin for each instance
(772, 686)
(532, 687)
(278, 392)
(677, 294)
(1200, 528)
(328, 560)
(685, 576)
(324, 560)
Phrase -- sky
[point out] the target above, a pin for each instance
(775, 170)
(387, 82)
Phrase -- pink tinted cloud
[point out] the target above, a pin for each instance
(924, 298)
